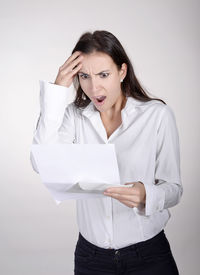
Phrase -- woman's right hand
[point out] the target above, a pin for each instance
(69, 69)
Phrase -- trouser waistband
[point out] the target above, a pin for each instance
(123, 250)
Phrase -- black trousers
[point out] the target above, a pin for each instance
(150, 257)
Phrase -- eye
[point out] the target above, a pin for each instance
(104, 75)
(83, 76)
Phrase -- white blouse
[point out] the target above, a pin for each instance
(147, 149)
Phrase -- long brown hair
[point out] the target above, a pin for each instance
(106, 42)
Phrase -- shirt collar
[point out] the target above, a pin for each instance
(129, 107)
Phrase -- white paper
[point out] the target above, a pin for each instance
(75, 171)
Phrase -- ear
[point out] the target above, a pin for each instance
(123, 71)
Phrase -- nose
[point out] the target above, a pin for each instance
(94, 84)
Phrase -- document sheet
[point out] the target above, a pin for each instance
(76, 171)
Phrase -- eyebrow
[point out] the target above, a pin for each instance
(95, 74)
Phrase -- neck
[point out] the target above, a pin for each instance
(115, 110)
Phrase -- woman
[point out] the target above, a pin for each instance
(122, 233)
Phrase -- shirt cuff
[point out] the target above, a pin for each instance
(53, 99)
(155, 199)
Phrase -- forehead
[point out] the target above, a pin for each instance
(96, 62)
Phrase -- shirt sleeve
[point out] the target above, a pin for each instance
(56, 120)
(167, 188)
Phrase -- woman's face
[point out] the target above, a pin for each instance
(99, 76)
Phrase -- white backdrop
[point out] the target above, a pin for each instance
(162, 40)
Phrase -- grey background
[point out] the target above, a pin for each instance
(162, 40)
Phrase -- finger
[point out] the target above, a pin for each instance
(75, 62)
(121, 190)
(118, 196)
(75, 70)
(71, 58)
(72, 65)
(128, 203)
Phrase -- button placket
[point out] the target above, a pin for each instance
(109, 221)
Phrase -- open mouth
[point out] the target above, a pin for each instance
(100, 99)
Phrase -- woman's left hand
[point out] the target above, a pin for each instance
(131, 197)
